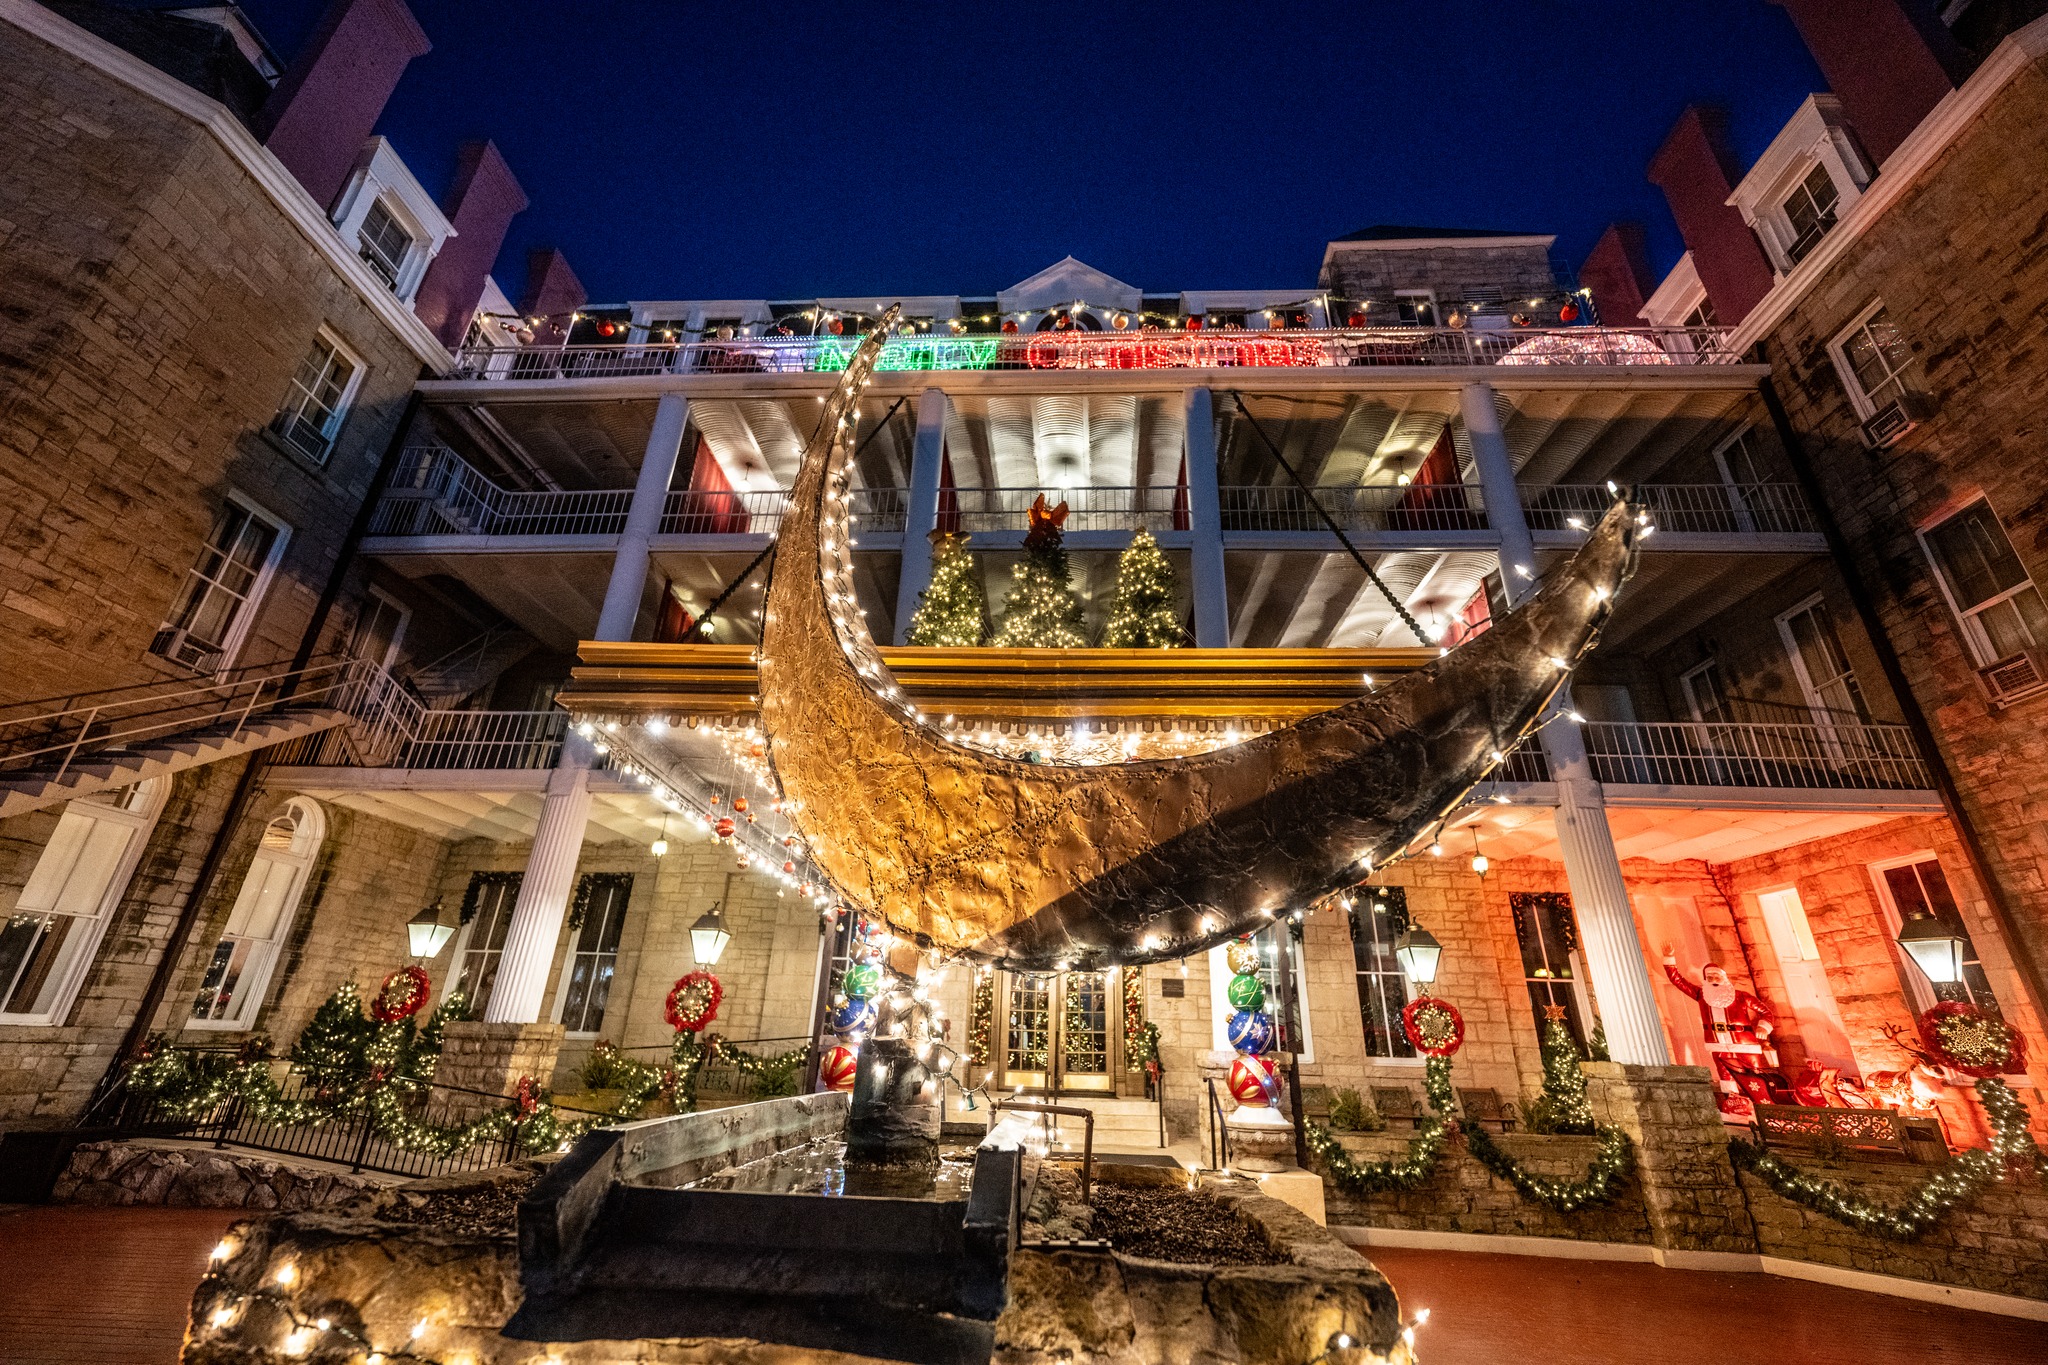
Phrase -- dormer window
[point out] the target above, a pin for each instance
(1809, 212)
(385, 244)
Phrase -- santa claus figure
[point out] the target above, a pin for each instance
(1737, 1026)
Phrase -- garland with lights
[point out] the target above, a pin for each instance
(301, 1339)
(1141, 614)
(981, 1020)
(1412, 1169)
(1563, 1105)
(951, 613)
(588, 885)
(1602, 1182)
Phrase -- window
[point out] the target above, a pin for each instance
(1415, 307)
(231, 992)
(489, 905)
(317, 401)
(1550, 954)
(1702, 315)
(594, 950)
(380, 627)
(1986, 584)
(1220, 1008)
(1809, 212)
(222, 590)
(1703, 694)
(1378, 917)
(1821, 664)
(1871, 358)
(1917, 886)
(385, 244)
(48, 939)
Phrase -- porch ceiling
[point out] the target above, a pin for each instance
(1659, 835)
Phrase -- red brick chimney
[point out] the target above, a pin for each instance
(552, 292)
(1617, 270)
(1696, 171)
(1888, 61)
(327, 104)
(481, 202)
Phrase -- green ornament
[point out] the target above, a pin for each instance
(1247, 992)
(862, 980)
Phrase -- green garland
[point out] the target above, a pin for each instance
(1962, 1181)
(1424, 1149)
(1144, 1047)
(1604, 1174)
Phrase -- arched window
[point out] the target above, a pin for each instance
(56, 923)
(232, 990)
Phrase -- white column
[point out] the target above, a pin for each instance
(537, 915)
(1205, 520)
(643, 518)
(927, 460)
(1592, 868)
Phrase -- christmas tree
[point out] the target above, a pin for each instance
(1041, 611)
(950, 612)
(1141, 614)
(1562, 1107)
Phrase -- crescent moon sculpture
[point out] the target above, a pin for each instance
(1043, 867)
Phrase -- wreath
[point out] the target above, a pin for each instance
(693, 1002)
(403, 994)
(1434, 1026)
(1973, 1040)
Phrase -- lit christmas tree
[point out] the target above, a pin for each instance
(950, 613)
(1141, 614)
(1041, 611)
(1564, 1085)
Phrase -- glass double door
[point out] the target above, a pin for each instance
(1055, 1033)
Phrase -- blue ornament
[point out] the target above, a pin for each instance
(1251, 1031)
(853, 1016)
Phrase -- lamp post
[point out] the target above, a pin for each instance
(1418, 953)
(1937, 950)
(708, 937)
(429, 931)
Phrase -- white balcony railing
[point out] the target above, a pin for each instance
(1715, 508)
(995, 510)
(1837, 756)
(392, 728)
(1385, 508)
(1604, 347)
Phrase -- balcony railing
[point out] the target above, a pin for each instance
(1389, 508)
(1717, 508)
(1142, 350)
(984, 510)
(392, 728)
(1837, 756)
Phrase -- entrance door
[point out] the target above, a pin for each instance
(1056, 1033)
(1818, 1019)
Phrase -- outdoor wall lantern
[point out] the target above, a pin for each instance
(429, 931)
(1418, 952)
(1936, 949)
(708, 937)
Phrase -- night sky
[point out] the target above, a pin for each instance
(684, 150)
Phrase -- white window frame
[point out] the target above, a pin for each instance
(1817, 136)
(402, 270)
(1418, 298)
(1407, 988)
(140, 821)
(1865, 406)
(564, 972)
(1916, 982)
(381, 176)
(1823, 715)
(1975, 637)
(1692, 701)
(253, 986)
(461, 947)
(373, 598)
(1219, 996)
(252, 601)
(296, 398)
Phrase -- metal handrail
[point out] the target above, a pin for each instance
(1087, 1116)
(1385, 508)
(1122, 350)
(1219, 1129)
(1120, 507)
(1828, 755)
(1720, 508)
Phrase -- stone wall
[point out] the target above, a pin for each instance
(139, 1173)
(1457, 274)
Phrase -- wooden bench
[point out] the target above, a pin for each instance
(1867, 1132)
(1315, 1104)
(1395, 1103)
(1484, 1107)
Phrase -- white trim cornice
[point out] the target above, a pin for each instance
(1918, 154)
(269, 173)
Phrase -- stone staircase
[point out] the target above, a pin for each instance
(108, 769)
(1121, 1125)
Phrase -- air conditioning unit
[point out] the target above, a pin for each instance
(180, 648)
(2018, 675)
(1885, 426)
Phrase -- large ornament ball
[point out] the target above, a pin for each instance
(1247, 992)
(852, 1016)
(1251, 1031)
(863, 979)
(1253, 1082)
(836, 1072)
(1243, 957)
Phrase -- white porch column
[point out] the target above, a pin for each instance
(921, 512)
(537, 915)
(1205, 520)
(1614, 953)
(643, 518)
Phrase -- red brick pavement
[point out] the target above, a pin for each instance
(87, 1286)
(1490, 1310)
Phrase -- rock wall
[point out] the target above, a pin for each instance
(194, 1177)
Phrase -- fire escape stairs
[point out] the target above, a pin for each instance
(471, 666)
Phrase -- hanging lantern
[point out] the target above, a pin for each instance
(429, 930)
(1936, 949)
(1418, 952)
(708, 937)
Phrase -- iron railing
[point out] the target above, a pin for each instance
(1389, 508)
(1142, 350)
(1718, 508)
(48, 741)
(1837, 755)
(392, 728)
(434, 492)
(984, 510)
